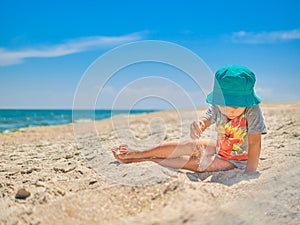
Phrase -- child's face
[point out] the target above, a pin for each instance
(231, 112)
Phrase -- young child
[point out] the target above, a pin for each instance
(234, 108)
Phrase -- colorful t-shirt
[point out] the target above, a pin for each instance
(232, 141)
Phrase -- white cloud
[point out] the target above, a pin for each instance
(265, 37)
(147, 94)
(263, 91)
(10, 57)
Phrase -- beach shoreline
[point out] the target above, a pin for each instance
(66, 174)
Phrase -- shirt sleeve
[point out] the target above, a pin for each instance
(255, 120)
(211, 114)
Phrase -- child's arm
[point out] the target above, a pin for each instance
(254, 147)
(206, 123)
(197, 128)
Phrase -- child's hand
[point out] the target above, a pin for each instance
(196, 129)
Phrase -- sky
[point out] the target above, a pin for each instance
(46, 48)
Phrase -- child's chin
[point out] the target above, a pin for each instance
(231, 117)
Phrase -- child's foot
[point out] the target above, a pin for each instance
(116, 152)
(123, 154)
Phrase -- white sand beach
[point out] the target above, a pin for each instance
(67, 175)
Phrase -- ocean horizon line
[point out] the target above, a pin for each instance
(16, 119)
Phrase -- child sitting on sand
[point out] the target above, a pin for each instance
(234, 108)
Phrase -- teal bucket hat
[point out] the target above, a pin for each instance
(234, 86)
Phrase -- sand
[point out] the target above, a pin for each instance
(67, 175)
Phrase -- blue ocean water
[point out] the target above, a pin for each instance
(15, 119)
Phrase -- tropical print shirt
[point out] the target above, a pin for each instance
(232, 135)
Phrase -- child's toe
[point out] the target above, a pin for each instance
(114, 149)
(123, 148)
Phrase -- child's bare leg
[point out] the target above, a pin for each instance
(165, 156)
(165, 150)
(192, 164)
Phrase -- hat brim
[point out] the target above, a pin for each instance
(233, 100)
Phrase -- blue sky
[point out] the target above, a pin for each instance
(46, 46)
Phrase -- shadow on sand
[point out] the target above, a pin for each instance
(227, 178)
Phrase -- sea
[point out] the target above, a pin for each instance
(18, 119)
